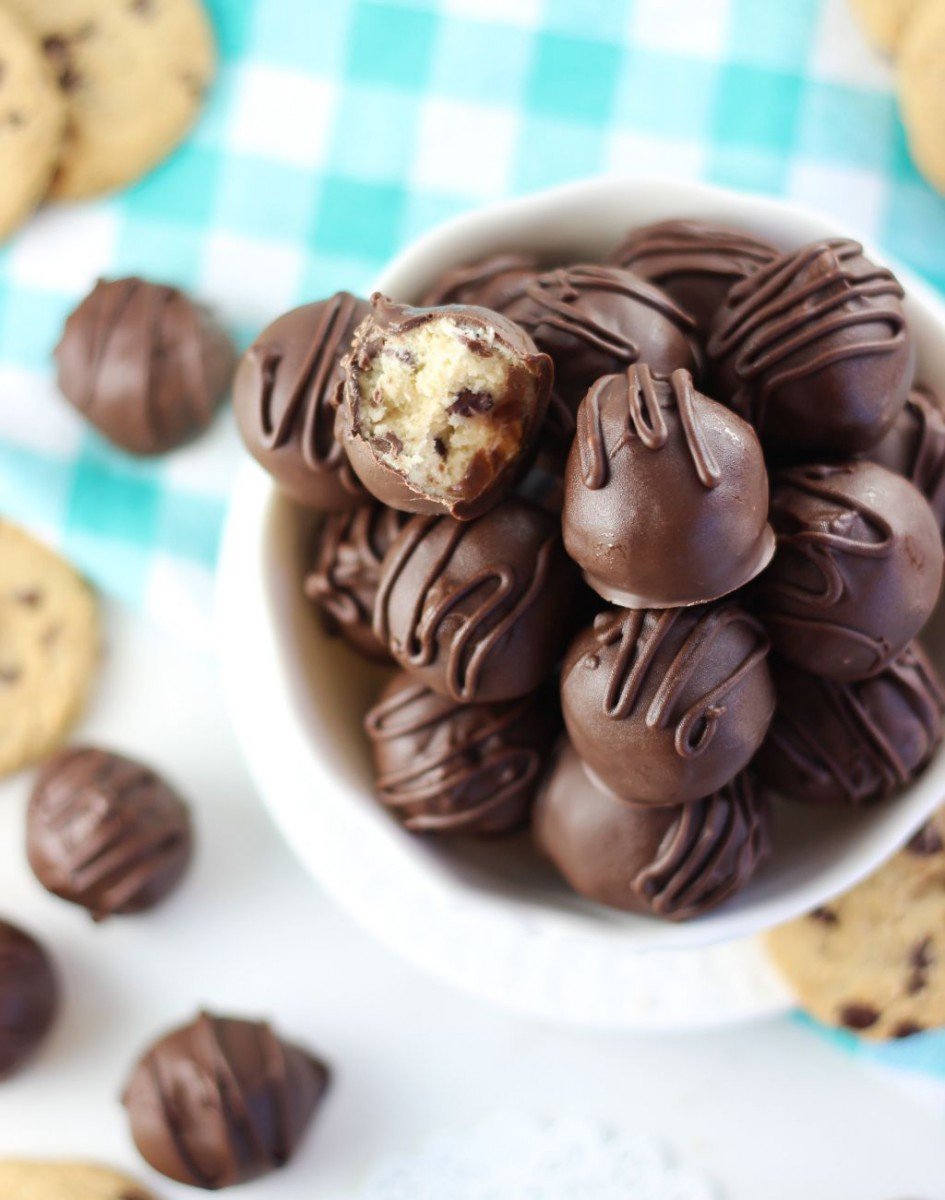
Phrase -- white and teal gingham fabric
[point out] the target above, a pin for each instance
(340, 129)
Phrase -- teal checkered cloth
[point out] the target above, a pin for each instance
(340, 129)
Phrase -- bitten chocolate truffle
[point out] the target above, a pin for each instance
(442, 406)
(814, 350)
(857, 572)
(666, 706)
(666, 493)
(675, 862)
(915, 447)
(144, 364)
(222, 1101)
(597, 320)
(29, 997)
(852, 744)
(694, 262)
(492, 283)
(106, 832)
(448, 768)
(477, 610)
(285, 394)
(346, 570)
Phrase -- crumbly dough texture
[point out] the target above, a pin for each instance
(442, 402)
(874, 959)
(133, 74)
(27, 1180)
(32, 120)
(884, 21)
(49, 648)
(920, 74)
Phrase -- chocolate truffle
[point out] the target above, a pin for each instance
(144, 364)
(492, 283)
(675, 862)
(477, 610)
(29, 997)
(285, 394)
(666, 706)
(915, 447)
(449, 768)
(857, 572)
(851, 744)
(814, 350)
(106, 832)
(222, 1101)
(694, 262)
(666, 493)
(596, 320)
(442, 406)
(346, 569)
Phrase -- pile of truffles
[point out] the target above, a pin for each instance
(690, 500)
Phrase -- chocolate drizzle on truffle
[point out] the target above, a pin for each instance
(492, 283)
(915, 447)
(222, 1101)
(450, 768)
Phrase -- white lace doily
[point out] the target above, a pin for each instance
(511, 1156)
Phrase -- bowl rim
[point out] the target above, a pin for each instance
(250, 667)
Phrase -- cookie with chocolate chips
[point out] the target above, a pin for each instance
(132, 75)
(873, 960)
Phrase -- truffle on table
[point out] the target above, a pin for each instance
(106, 832)
(285, 394)
(493, 282)
(914, 446)
(852, 744)
(144, 364)
(29, 997)
(222, 1101)
(814, 350)
(676, 862)
(443, 767)
(666, 493)
(477, 610)
(857, 571)
(597, 320)
(665, 706)
(345, 571)
(442, 407)
(694, 262)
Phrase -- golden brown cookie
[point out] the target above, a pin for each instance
(49, 647)
(884, 21)
(28, 1180)
(920, 80)
(133, 74)
(32, 119)
(873, 960)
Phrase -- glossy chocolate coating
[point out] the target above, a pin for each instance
(857, 571)
(494, 282)
(666, 493)
(29, 997)
(477, 610)
(814, 350)
(285, 394)
(144, 364)
(851, 744)
(914, 447)
(694, 262)
(597, 320)
(346, 569)
(666, 706)
(486, 481)
(675, 862)
(222, 1101)
(448, 768)
(106, 832)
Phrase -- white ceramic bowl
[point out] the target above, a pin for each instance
(487, 917)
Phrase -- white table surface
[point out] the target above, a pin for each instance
(770, 1111)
